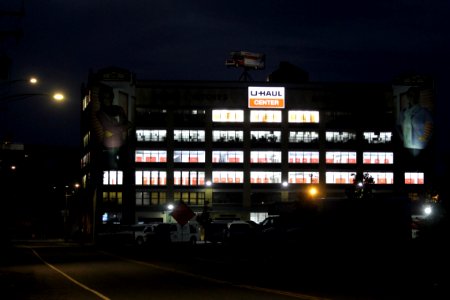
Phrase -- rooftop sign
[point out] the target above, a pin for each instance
(265, 97)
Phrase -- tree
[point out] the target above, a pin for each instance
(362, 186)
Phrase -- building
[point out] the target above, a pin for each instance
(241, 148)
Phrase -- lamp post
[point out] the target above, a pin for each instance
(6, 96)
(32, 80)
(57, 97)
(68, 192)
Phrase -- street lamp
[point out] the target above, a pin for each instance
(57, 97)
(6, 95)
(32, 80)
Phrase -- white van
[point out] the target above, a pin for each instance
(176, 233)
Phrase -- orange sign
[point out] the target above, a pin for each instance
(265, 103)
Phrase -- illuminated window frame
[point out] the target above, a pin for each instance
(339, 136)
(303, 136)
(191, 135)
(265, 116)
(112, 177)
(382, 177)
(374, 138)
(336, 177)
(150, 156)
(155, 135)
(340, 157)
(266, 136)
(150, 177)
(190, 197)
(228, 157)
(142, 198)
(265, 177)
(228, 176)
(227, 115)
(112, 197)
(303, 116)
(228, 136)
(300, 177)
(189, 156)
(378, 158)
(188, 178)
(414, 178)
(265, 157)
(303, 157)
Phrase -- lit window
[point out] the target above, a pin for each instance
(189, 156)
(152, 156)
(189, 178)
(339, 137)
(339, 177)
(303, 177)
(414, 178)
(265, 116)
(228, 176)
(265, 157)
(189, 135)
(225, 115)
(228, 135)
(303, 116)
(382, 177)
(228, 157)
(112, 197)
(378, 138)
(151, 135)
(266, 136)
(339, 157)
(151, 177)
(191, 198)
(303, 157)
(378, 158)
(262, 177)
(303, 136)
(112, 177)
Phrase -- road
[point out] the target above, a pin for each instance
(57, 270)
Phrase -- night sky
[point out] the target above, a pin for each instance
(369, 41)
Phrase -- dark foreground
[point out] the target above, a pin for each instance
(318, 270)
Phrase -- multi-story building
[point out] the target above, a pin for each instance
(238, 148)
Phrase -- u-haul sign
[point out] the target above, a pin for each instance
(265, 97)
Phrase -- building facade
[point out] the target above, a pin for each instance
(240, 148)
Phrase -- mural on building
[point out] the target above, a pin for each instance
(414, 106)
(110, 125)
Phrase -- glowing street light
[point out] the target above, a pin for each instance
(57, 97)
(31, 80)
(313, 191)
(6, 96)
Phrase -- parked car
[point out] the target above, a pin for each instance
(115, 234)
(239, 232)
(144, 233)
(215, 231)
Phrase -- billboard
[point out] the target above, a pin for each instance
(414, 105)
(246, 59)
(266, 97)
